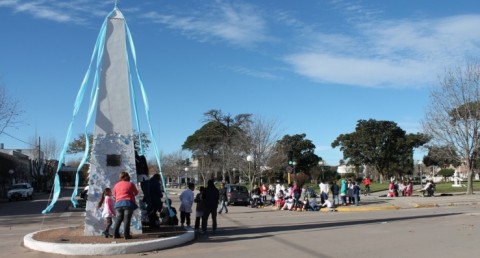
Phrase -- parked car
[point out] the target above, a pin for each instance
(237, 194)
(20, 191)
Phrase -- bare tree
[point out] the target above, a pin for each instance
(262, 135)
(173, 165)
(9, 110)
(453, 116)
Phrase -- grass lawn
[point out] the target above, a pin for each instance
(439, 187)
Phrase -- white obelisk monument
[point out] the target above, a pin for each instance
(113, 144)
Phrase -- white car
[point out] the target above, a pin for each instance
(20, 191)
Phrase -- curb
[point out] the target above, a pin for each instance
(106, 249)
(363, 208)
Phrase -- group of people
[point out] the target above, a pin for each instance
(401, 188)
(120, 203)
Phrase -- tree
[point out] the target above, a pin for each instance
(440, 156)
(230, 132)
(301, 151)
(381, 144)
(260, 139)
(78, 144)
(10, 111)
(446, 172)
(453, 118)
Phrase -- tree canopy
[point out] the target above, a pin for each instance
(381, 144)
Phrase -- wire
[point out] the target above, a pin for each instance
(11, 136)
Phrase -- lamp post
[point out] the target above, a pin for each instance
(186, 174)
(321, 163)
(11, 172)
(420, 164)
(249, 160)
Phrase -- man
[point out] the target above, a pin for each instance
(210, 197)
(323, 191)
(154, 200)
(223, 198)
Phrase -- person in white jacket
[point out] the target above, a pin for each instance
(186, 202)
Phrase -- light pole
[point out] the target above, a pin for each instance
(11, 172)
(420, 164)
(321, 163)
(186, 174)
(249, 160)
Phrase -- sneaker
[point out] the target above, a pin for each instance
(226, 211)
(128, 237)
(116, 236)
(105, 234)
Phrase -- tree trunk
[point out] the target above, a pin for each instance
(470, 178)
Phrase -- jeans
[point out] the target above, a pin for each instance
(356, 199)
(123, 213)
(223, 204)
(185, 216)
(206, 213)
(336, 200)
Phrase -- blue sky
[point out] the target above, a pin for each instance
(314, 67)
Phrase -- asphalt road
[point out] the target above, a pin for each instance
(246, 232)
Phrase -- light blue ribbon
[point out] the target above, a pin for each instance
(98, 49)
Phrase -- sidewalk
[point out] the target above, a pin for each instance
(377, 201)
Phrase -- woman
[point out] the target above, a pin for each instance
(124, 193)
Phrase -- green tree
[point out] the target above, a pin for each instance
(381, 144)
(301, 151)
(446, 172)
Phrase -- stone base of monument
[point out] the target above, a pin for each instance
(72, 241)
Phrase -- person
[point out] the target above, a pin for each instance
(402, 188)
(124, 193)
(409, 188)
(210, 197)
(323, 186)
(255, 196)
(289, 204)
(264, 193)
(391, 189)
(223, 198)
(108, 211)
(154, 200)
(343, 191)
(329, 205)
(335, 191)
(297, 194)
(428, 188)
(366, 183)
(279, 199)
(199, 209)
(167, 218)
(186, 202)
(356, 193)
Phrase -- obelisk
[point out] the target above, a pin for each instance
(113, 144)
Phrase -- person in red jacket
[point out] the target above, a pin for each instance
(366, 183)
(124, 193)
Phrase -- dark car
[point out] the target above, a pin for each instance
(237, 194)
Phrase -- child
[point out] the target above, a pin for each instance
(199, 210)
(108, 211)
(186, 202)
(329, 205)
(165, 215)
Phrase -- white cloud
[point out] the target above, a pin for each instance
(253, 73)
(398, 53)
(238, 24)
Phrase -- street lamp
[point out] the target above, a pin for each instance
(321, 163)
(420, 164)
(249, 160)
(186, 174)
(11, 172)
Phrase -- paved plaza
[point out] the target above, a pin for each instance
(380, 227)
